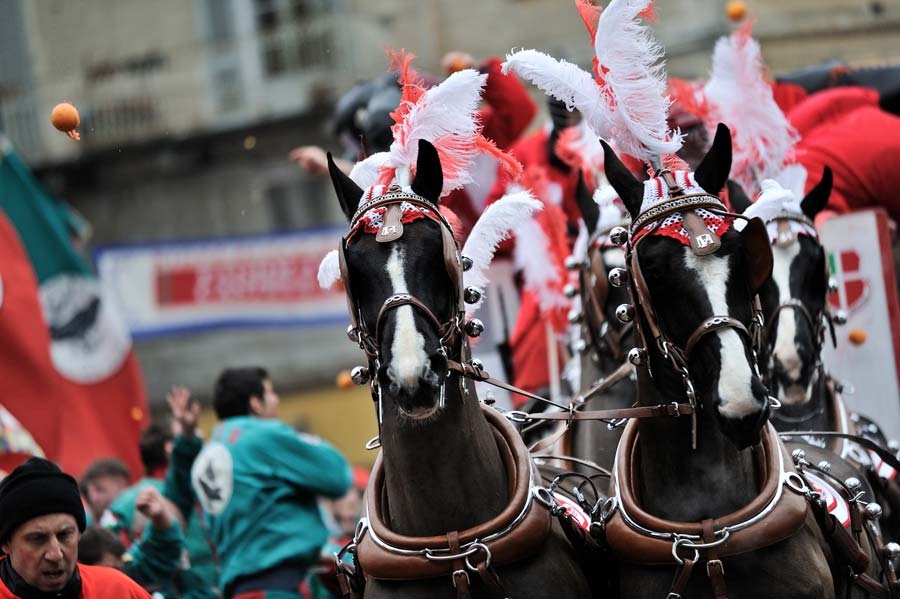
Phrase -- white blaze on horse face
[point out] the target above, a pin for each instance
(408, 359)
(735, 375)
(785, 351)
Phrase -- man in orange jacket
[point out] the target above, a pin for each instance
(41, 521)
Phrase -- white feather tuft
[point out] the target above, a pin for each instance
(739, 95)
(793, 177)
(495, 224)
(540, 273)
(447, 116)
(564, 81)
(634, 81)
(365, 172)
(329, 270)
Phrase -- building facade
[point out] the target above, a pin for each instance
(189, 109)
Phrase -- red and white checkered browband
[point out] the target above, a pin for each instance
(656, 196)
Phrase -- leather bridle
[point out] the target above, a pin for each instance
(449, 330)
(818, 322)
(594, 290)
(649, 330)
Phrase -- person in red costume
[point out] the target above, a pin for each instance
(41, 521)
(844, 128)
(537, 153)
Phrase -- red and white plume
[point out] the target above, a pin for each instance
(496, 224)
(624, 98)
(739, 96)
(445, 115)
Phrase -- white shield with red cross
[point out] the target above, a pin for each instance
(868, 346)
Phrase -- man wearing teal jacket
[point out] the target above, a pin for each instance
(258, 482)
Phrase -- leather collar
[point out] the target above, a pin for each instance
(515, 534)
(639, 537)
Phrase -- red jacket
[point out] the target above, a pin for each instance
(98, 582)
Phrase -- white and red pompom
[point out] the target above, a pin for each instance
(624, 99)
(633, 77)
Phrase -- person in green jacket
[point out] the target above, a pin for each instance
(196, 575)
(151, 561)
(258, 482)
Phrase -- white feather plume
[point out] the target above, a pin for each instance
(566, 82)
(635, 80)
(447, 116)
(495, 224)
(540, 273)
(329, 270)
(739, 95)
(365, 172)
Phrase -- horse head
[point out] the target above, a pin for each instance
(794, 298)
(693, 292)
(401, 271)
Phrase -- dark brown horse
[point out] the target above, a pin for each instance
(450, 510)
(706, 483)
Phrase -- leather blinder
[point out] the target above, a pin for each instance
(703, 241)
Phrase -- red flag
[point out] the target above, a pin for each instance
(70, 376)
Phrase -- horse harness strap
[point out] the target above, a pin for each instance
(513, 535)
(638, 537)
(482, 376)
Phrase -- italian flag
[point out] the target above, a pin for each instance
(71, 381)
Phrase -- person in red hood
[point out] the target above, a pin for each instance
(537, 152)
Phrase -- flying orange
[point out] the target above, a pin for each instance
(65, 117)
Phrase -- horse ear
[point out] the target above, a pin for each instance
(429, 178)
(630, 190)
(817, 198)
(590, 211)
(713, 171)
(759, 252)
(737, 197)
(348, 192)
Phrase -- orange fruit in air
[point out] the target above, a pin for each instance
(857, 336)
(65, 117)
(736, 10)
(343, 380)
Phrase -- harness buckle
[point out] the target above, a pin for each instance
(717, 563)
(676, 409)
(460, 573)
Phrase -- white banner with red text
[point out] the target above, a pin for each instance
(265, 280)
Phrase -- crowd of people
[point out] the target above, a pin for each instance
(255, 511)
